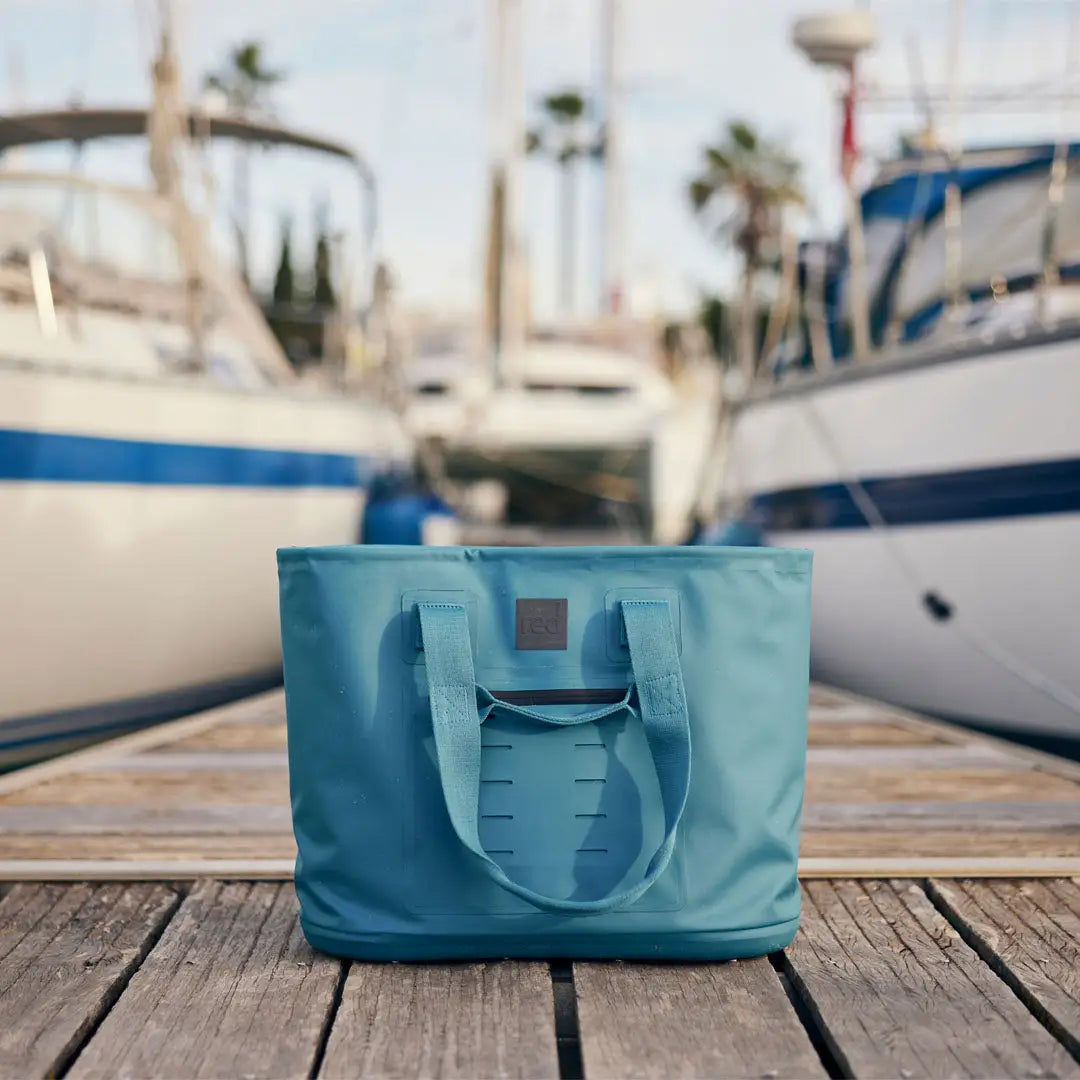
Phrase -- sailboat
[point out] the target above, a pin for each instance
(936, 477)
(155, 444)
(576, 426)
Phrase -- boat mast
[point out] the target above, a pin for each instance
(612, 298)
(860, 300)
(1059, 170)
(166, 130)
(505, 321)
(954, 254)
(835, 41)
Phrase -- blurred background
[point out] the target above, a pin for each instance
(537, 271)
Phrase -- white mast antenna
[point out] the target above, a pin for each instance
(954, 254)
(612, 297)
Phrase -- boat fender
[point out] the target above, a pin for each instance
(939, 608)
(400, 511)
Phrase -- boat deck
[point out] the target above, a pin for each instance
(940, 935)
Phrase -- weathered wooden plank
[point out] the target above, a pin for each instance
(444, 1021)
(942, 756)
(1029, 932)
(854, 713)
(256, 867)
(235, 736)
(232, 989)
(159, 789)
(269, 708)
(885, 866)
(825, 696)
(661, 1020)
(886, 785)
(977, 815)
(134, 819)
(1049, 764)
(65, 953)
(957, 844)
(106, 846)
(821, 733)
(218, 761)
(897, 993)
(173, 869)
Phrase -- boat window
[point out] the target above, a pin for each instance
(884, 237)
(592, 389)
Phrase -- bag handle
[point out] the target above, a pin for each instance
(490, 704)
(657, 675)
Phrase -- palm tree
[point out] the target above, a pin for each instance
(245, 84)
(562, 138)
(740, 195)
(284, 279)
(322, 293)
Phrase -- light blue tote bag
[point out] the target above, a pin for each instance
(577, 752)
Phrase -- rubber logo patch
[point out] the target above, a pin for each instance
(541, 624)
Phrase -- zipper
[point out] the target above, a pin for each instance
(605, 695)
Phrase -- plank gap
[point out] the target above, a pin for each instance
(328, 1023)
(230, 976)
(71, 1052)
(1001, 968)
(814, 1030)
(567, 1031)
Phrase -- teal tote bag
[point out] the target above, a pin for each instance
(575, 752)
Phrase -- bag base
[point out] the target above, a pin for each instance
(680, 945)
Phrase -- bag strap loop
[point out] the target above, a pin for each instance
(490, 704)
(452, 689)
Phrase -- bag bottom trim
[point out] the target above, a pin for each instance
(674, 945)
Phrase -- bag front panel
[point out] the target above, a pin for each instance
(377, 852)
(571, 811)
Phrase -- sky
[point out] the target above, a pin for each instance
(404, 81)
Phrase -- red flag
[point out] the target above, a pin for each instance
(848, 151)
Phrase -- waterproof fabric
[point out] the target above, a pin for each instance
(592, 752)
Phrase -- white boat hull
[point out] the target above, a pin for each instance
(1006, 579)
(975, 463)
(116, 589)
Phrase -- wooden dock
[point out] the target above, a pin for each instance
(147, 928)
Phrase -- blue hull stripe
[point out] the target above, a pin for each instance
(90, 459)
(1045, 487)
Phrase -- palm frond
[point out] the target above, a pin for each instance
(565, 107)
(718, 159)
(701, 192)
(743, 135)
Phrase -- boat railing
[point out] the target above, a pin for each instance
(79, 245)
